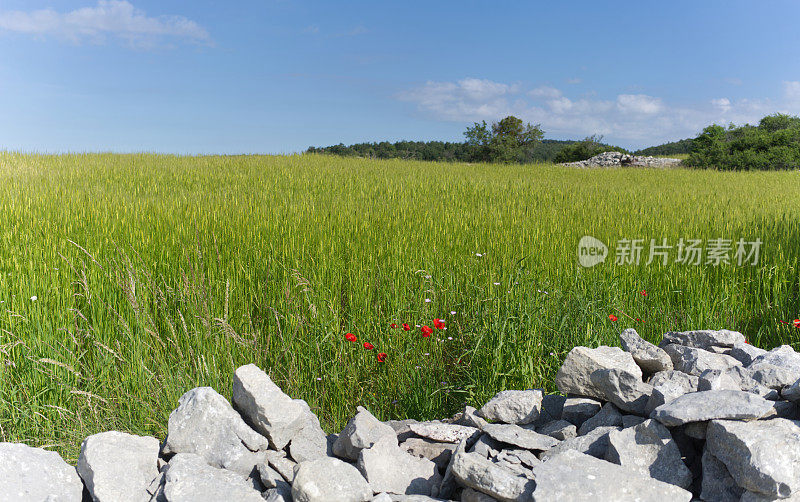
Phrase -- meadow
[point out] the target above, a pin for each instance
(126, 280)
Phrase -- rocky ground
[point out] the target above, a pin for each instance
(704, 416)
(611, 159)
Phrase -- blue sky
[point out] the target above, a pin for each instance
(274, 76)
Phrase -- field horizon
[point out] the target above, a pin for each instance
(128, 279)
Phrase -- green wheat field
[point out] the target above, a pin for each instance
(126, 280)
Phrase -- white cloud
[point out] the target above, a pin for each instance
(627, 119)
(722, 104)
(358, 30)
(109, 18)
(544, 92)
(466, 100)
(574, 81)
(638, 103)
(791, 92)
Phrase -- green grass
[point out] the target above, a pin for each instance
(155, 274)
(682, 156)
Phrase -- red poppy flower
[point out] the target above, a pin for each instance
(393, 325)
(796, 323)
(639, 320)
(438, 323)
(426, 331)
(643, 293)
(368, 346)
(350, 337)
(612, 317)
(406, 327)
(381, 357)
(748, 343)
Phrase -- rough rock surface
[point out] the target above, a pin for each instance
(388, 468)
(362, 431)
(517, 436)
(577, 410)
(649, 449)
(513, 407)
(594, 443)
(577, 477)
(791, 392)
(207, 425)
(704, 339)
(478, 473)
(762, 456)
(310, 442)
(711, 405)
(718, 484)
(669, 385)
(625, 390)
(616, 159)
(694, 361)
(608, 415)
(265, 407)
(327, 479)
(745, 353)
(552, 408)
(438, 453)
(559, 429)
(773, 376)
(188, 478)
(574, 376)
(650, 358)
(736, 378)
(783, 356)
(448, 433)
(34, 474)
(118, 467)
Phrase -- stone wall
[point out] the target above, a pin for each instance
(703, 416)
(612, 159)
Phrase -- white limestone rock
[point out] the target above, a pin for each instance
(762, 456)
(513, 407)
(29, 474)
(650, 358)
(712, 405)
(327, 479)
(578, 477)
(118, 467)
(205, 424)
(574, 375)
(362, 431)
(265, 407)
(649, 449)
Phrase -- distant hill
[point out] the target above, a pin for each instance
(683, 146)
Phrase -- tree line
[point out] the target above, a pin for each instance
(509, 140)
(772, 144)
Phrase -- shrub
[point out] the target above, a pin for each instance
(585, 149)
(771, 145)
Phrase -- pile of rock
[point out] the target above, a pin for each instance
(703, 416)
(610, 159)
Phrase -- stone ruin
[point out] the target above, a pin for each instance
(703, 416)
(611, 159)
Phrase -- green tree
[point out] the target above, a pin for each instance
(586, 149)
(509, 140)
(773, 144)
